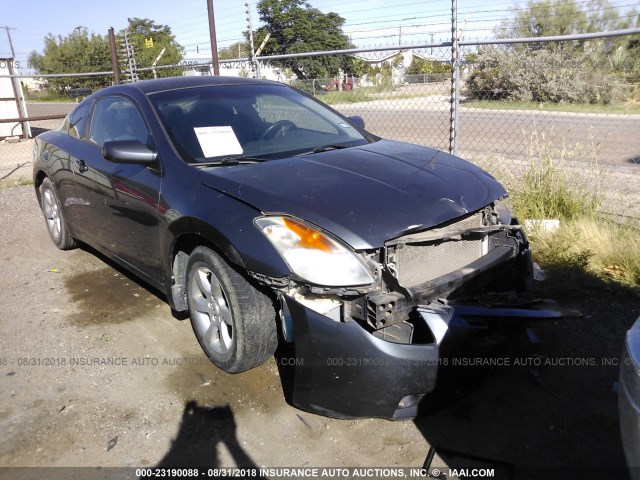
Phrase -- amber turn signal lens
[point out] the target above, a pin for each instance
(309, 238)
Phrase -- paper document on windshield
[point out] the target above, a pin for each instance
(218, 141)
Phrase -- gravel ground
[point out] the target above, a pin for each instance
(64, 314)
(69, 308)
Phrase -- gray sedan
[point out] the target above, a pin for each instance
(630, 399)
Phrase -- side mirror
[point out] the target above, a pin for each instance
(357, 120)
(128, 151)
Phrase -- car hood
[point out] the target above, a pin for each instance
(365, 195)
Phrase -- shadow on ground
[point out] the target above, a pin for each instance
(555, 414)
(203, 430)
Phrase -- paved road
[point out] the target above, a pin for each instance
(503, 133)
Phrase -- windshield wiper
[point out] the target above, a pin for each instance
(230, 161)
(326, 148)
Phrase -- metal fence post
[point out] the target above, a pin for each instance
(455, 81)
(256, 62)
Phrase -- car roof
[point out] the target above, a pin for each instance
(173, 83)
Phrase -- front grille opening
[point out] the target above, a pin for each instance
(417, 263)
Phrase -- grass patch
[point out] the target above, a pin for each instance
(16, 183)
(587, 242)
(367, 94)
(348, 97)
(551, 188)
(606, 249)
(355, 96)
(624, 108)
(49, 97)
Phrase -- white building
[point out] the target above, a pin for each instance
(200, 64)
(398, 59)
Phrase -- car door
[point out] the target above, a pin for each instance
(122, 199)
(61, 158)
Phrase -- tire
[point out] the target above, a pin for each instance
(54, 220)
(232, 320)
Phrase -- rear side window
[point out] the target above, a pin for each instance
(77, 120)
(116, 118)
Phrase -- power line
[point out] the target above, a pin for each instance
(484, 16)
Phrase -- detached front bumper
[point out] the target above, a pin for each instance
(344, 371)
(380, 353)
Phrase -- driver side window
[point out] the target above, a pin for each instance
(116, 118)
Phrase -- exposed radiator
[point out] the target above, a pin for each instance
(416, 263)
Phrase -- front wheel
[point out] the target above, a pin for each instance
(53, 216)
(233, 321)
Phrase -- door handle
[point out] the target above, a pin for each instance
(82, 166)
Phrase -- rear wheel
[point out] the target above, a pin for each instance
(53, 216)
(233, 321)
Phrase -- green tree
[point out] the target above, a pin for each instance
(297, 27)
(382, 75)
(81, 52)
(140, 31)
(78, 52)
(605, 58)
(602, 16)
(358, 67)
(235, 50)
(632, 47)
(501, 73)
(542, 18)
(427, 67)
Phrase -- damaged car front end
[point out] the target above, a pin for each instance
(372, 347)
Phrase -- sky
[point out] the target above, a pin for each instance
(369, 23)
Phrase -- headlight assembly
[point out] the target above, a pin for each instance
(312, 255)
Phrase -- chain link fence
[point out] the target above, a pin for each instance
(519, 108)
(48, 100)
(519, 105)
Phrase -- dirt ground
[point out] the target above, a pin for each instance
(65, 314)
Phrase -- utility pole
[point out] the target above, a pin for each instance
(114, 57)
(17, 88)
(214, 43)
(8, 29)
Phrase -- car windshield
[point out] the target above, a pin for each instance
(260, 122)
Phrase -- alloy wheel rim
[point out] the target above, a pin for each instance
(213, 319)
(52, 213)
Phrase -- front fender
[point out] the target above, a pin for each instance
(232, 233)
